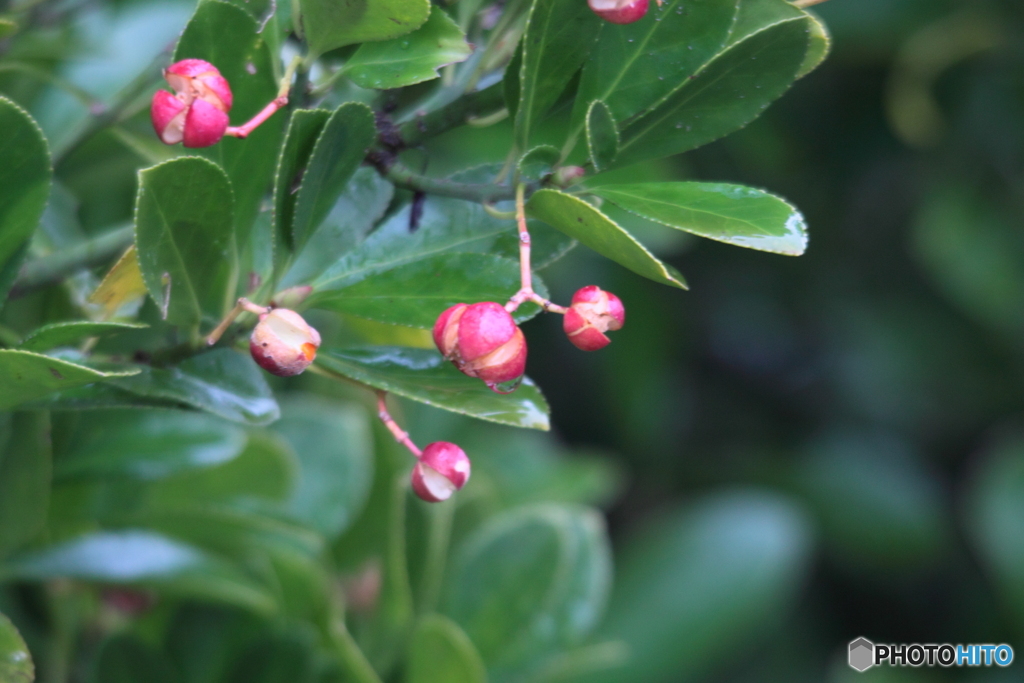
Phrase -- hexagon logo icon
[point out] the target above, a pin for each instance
(862, 654)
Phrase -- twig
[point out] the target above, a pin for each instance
(526, 292)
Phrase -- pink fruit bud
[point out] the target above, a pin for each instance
(442, 470)
(568, 175)
(592, 313)
(197, 114)
(620, 11)
(483, 341)
(283, 343)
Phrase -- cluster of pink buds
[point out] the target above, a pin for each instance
(620, 11)
(197, 114)
(483, 341)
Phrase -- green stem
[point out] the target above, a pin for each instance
(441, 516)
(347, 653)
(403, 177)
(472, 105)
(53, 268)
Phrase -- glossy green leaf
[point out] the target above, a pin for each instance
(753, 16)
(559, 37)
(360, 206)
(636, 65)
(699, 583)
(227, 37)
(733, 214)
(25, 177)
(64, 334)
(592, 228)
(303, 131)
(339, 150)
(142, 558)
(185, 239)
(223, 382)
(530, 582)
(335, 457)
(330, 24)
(510, 86)
(602, 135)
(15, 660)
(728, 93)
(27, 376)
(26, 467)
(441, 652)
(411, 59)
(416, 293)
(538, 163)
(820, 46)
(149, 445)
(423, 375)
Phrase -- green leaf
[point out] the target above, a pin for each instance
(602, 135)
(538, 163)
(25, 177)
(361, 205)
(185, 239)
(416, 293)
(699, 583)
(226, 36)
(636, 65)
(149, 445)
(592, 228)
(335, 456)
(303, 131)
(423, 375)
(15, 660)
(339, 150)
(63, 334)
(26, 466)
(730, 92)
(27, 376)
(411, 59)
(559, 37)
(530, 582)
(330, 24)
(733, 214)
(223, 382)
(441, 652)
(510, 85)
(7, 28)
(142, 558)
(820, 46)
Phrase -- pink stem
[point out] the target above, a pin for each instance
(267, 111)
(401, 436)
(526, 292)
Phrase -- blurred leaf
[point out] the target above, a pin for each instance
(143, 558)
(817, 51)
(304, 130)
(335, 457)
(697, 584)
(440, 652)
(361, 205)
(150, 445)
(283, 658)
(602, 135)
(123, 658)
(186, 249)
(559, 36)
(592, 228)
(329, 24)
(223, 382)
(121, 285)
(226, 36)
(15, 661)
(538, 163)
(26, 467)
(338, 152)
(529, 582)
(411, 59)
(63, 334)
(27, 376)
(7, 28)
(425, 376)
(25, 177)
(995, 506)
(733, 214)
(737, 85)
(416, 293)
(636, 65)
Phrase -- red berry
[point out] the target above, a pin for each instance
(442, 470)
(592, 313)
(483, 341)
(620, 11)
(283, 343)
(197, 115)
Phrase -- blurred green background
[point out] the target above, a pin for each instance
(797, 451)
